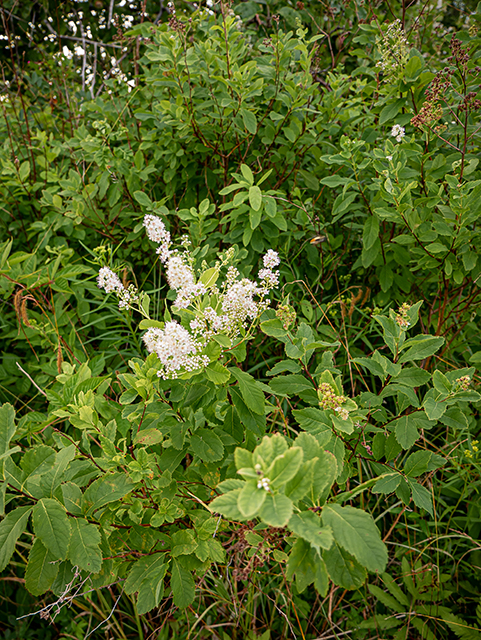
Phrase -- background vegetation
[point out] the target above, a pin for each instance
(258, 125)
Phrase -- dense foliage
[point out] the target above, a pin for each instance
(268, 427)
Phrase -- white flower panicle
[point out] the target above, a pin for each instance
(176, 349)
(225, 308)
(179, 273)
(157, 232)
(155, 228)
(109, 280)
(398, 132)
(271, 259)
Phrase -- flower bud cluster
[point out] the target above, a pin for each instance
(394, 50)
(402, 317)
(263, 482)
(474, 448)
(329, 398)
(462, 383)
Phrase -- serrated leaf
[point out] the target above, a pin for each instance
(182, 584)
(406, 430)
(251, 499)
(388, 484)
(7, 426)
(356, 531)
(343, 568)
(41, 569)
(52, 526)
(285, 466)
(252, 394)
(421, 496)
(276, 510)
(84, 551)
(226, 505)
(105, 489)
(11, 528)
(308, 525)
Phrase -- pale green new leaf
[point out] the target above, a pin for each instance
(276, 510)
(251, 499)
(285, 466)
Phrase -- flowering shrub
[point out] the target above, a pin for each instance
(215, 314)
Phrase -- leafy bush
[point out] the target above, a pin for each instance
(295, 438)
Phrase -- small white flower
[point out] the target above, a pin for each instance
(398, 132)
(109, 280)
(179, 273)
(389, 158)
(271, 259)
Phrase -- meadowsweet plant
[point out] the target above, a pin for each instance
(213, 314)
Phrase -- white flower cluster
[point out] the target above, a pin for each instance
(263, 483)
(176, 349)
(234, 304)
(398, 132)
(110, 282)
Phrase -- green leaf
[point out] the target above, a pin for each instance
(140, 571)
(300, 564)
(386, 599)
(421, 496)
(226, 505)
(143, 199)
(276, 510)
(255, 197)
(434, 410)
(207, 445)
(7, 426)
(422, 461)
(406, 430)
(183, 543)
(420, 347)
(11, 528)
(84, 551)
(307, 525)
(251, 499)
(390, 110)
(252, 394)
(217, 373)
(343, 568)
(209, 277)
(247, 174)
(147, 578)
(52, 526)
(285, 466)
(41, 569)
(108, 488)
(388, 483)
(182, 584)
(250, 121)
(315, 422)
(290, 385)
(370, 233)
(356, 531)
(243, 458)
